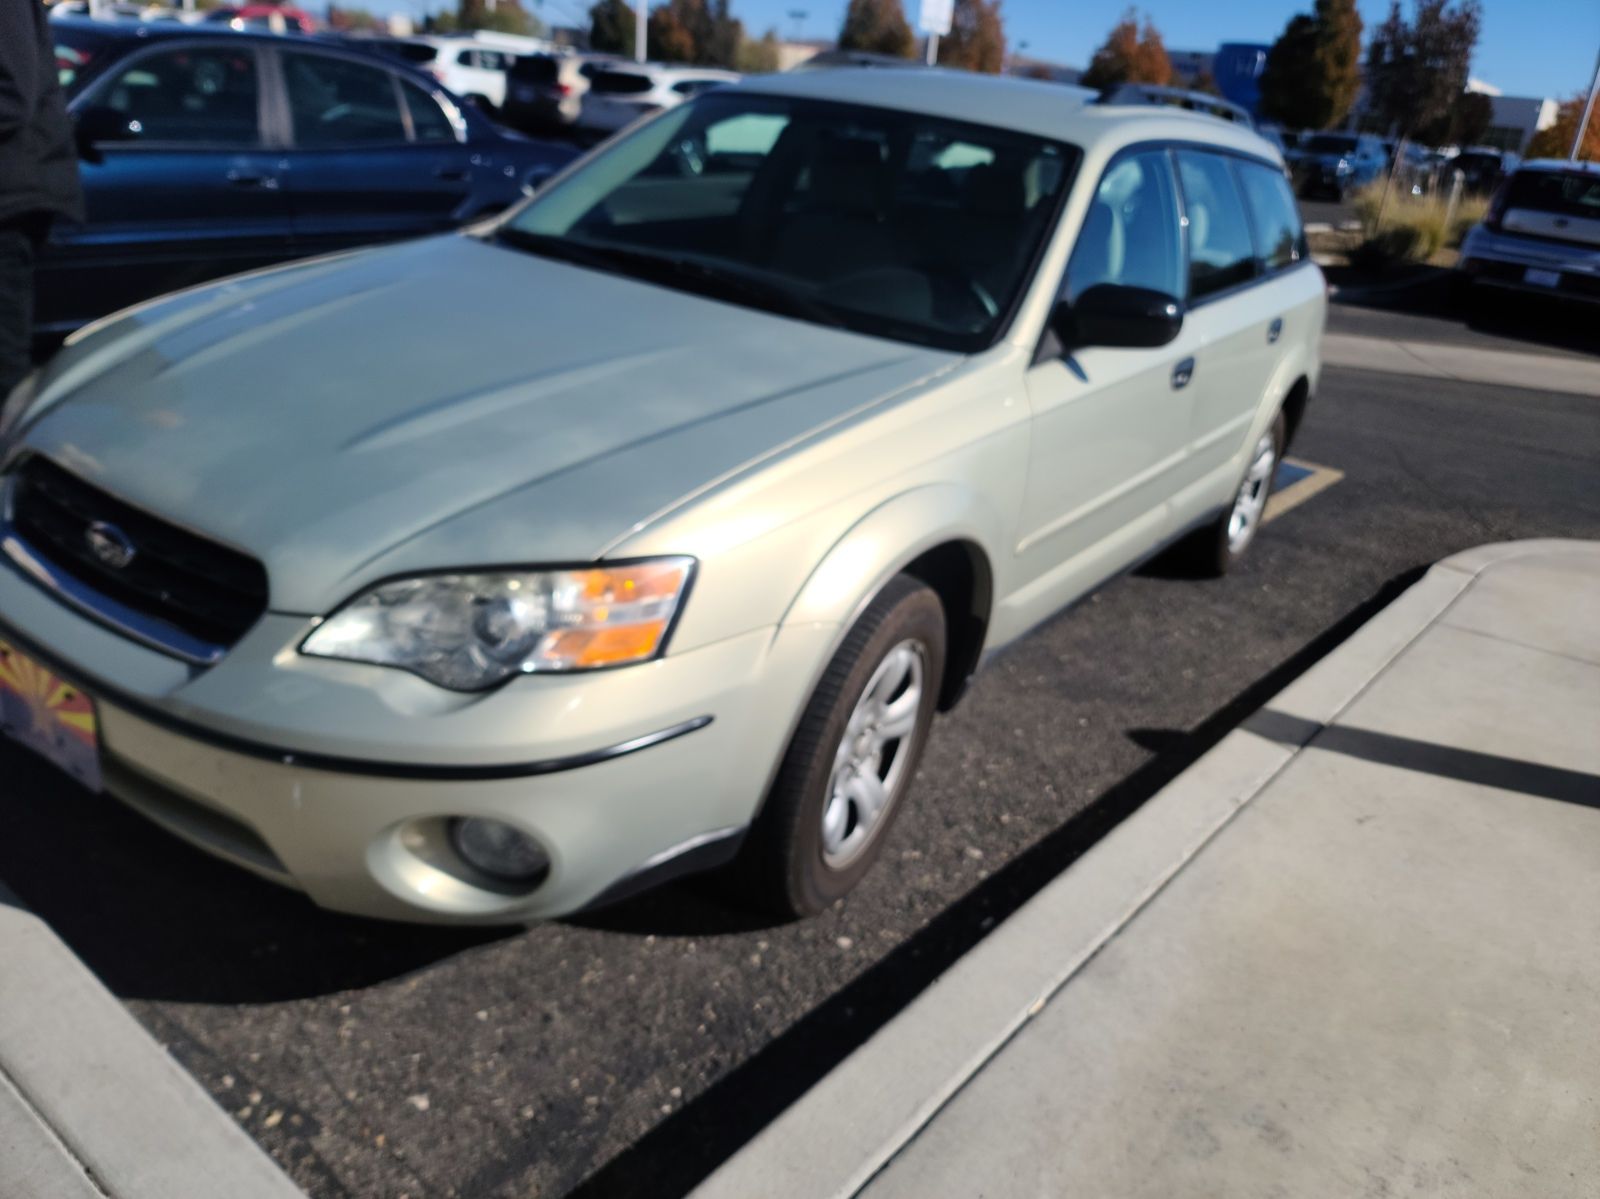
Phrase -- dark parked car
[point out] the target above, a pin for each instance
(208, 152)
(1332, 164)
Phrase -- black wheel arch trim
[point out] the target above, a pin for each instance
(334, 763)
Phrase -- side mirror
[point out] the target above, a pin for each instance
(1110, 314)
(100, 124)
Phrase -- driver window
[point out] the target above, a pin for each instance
(190, 95)
(1130, 235)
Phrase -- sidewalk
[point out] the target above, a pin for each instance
(1354, 950)
(90, 1105)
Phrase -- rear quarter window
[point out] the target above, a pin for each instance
(619, 83)
(1280, 241)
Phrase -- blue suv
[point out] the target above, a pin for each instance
(207, 152)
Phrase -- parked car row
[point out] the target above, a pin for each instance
(207, 151)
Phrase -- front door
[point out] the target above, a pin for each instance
(1109, 425)
(187, 191)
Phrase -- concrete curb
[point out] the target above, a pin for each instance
(875, 1102)
(95, 1105)
(1463, 364)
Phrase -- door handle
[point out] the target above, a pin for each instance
(253, 179)
(1275, 330)
(451, 174)
(1182, 373)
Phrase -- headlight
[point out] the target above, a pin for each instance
(16, 403)
(471, 631)
(1344, 167)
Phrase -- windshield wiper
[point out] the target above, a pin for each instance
(701, 275)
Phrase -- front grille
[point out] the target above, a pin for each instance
(205, 590)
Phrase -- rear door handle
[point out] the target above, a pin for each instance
(451, 174)
(1274, 330)
(1182, 373)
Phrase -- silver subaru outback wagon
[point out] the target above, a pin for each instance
(497, 575)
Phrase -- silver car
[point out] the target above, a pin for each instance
(1542, 234)
(497, 575)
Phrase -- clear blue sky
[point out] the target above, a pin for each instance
(1527, 47)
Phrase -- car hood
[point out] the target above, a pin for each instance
(444, 403)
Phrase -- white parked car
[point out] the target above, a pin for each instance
(475, 67)
(1542, 234)
(620, 95)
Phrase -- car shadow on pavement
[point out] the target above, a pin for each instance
(683, 1149)
(1541, 321)
(157, 919)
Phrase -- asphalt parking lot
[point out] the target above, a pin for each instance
(627, 1052)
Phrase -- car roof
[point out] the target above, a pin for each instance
(1562, 165)
(169, 30)
(1052, 110)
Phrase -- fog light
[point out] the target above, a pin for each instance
(498, 850)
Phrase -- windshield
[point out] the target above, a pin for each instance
(890, 223)
(1324, 144)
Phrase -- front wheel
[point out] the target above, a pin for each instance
(852, 757)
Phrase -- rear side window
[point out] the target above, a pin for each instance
(336, 102)
(537, 69)
(1279, 240)
(415, 51)
(1130, 236)
(1221, 252)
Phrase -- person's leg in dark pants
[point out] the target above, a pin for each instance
(19, 246)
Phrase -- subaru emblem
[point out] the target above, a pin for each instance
(110, 545)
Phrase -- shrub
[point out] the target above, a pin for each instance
(1414, 228)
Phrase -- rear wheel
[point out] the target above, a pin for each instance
(1215, 548)
(852, 757)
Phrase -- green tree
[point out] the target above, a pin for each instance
(500, 16)
(877, 26)
(349, 20)
(611, 27)
(759, 57)
(1417, 70)
(1313, 71)
(977, 38)
(1129, 55)
(1556, 141)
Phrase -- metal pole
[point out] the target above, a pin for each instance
(933, 48)
(1588, 109)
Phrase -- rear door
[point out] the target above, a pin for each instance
(189, 191)
(1233, 316)
(1109, 425)
(373, 156)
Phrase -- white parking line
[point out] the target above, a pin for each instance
(1319, 480)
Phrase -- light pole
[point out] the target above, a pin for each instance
(798, 16)
(1588, 110)
(640, 21)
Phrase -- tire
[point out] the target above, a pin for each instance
(790, 864)
(1212, 551)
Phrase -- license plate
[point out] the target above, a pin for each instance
(1542, 278)
(51, 717)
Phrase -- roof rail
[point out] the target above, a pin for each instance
(1150, 93)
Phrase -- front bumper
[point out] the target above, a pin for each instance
(338, 779)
